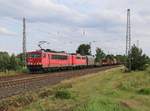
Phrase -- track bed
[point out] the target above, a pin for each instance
(21, 84)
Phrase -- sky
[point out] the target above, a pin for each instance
(65, 24)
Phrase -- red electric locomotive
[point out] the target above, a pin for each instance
(41, 60)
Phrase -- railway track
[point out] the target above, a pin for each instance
(10, 87)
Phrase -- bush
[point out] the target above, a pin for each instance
(138, 59)
(23, 70)
(145, 91)
(45, 93)
(148, 69)
(63, 94)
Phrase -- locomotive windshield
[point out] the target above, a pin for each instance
(34, 55)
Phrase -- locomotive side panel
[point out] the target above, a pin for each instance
(45, 61)
(59, 60)
(78, 60)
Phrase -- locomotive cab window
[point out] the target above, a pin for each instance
(78, 58)
(34, 55)
(59, 57)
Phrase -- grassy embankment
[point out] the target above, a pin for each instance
(110, 90)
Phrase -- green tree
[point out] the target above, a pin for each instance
(84, 49)
(99, 55)
(4, 61)
(13, 63)
(149, 60)
(20, 60)
(110, 56)
(121, 59)
(8, 62)
(138, 59)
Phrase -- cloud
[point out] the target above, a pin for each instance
(38, 11)
(53, 12)
(4, 31)
(102, 20)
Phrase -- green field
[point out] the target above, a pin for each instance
(111, 90)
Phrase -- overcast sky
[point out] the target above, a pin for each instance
(67, 23)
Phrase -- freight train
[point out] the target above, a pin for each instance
(47, 61)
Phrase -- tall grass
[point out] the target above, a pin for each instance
(102, 105)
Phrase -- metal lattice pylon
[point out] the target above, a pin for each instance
(128, 38)
(24, 41)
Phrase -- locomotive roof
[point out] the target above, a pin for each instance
(49, 50)
(60, 52)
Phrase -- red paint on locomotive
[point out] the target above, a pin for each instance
(78, 60)
(34, 58)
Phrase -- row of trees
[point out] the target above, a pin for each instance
(139, 61)
(9, 62)
(85, 49)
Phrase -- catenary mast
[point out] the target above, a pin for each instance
(24, 41)
(128, 39)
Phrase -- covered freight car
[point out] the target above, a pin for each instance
(90, 60)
